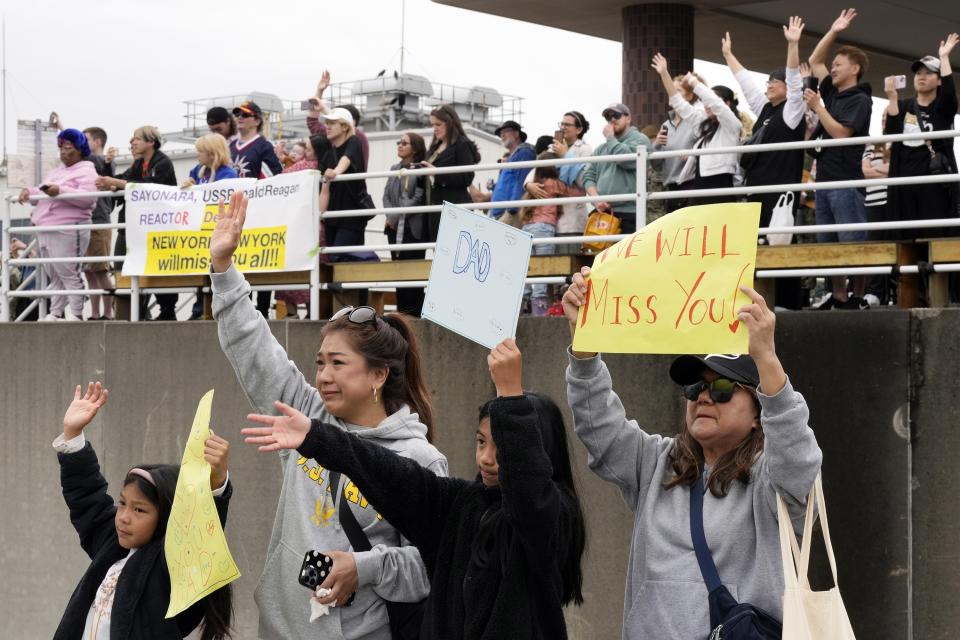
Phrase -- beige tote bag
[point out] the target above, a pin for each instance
(808, 614)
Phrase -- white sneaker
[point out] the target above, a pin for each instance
(51, 318)
(872, 300)
(69, 317)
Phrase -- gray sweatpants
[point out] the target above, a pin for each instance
(64, 275)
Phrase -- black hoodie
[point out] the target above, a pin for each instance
(851, 108)
(494, 555)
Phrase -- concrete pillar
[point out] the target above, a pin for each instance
(647, 29)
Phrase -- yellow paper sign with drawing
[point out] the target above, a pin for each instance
(674, 285)
(196, 550)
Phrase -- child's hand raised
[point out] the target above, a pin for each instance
(506, 368)
(216, 451)
(282, 432)
(83, 409)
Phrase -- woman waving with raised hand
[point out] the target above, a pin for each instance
(369, 382)
(504, 549)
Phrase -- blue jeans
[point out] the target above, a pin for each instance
(540, 230)
(841, 206)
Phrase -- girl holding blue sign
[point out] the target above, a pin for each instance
(503, 550)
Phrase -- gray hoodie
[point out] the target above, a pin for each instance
(666, 598)
(306, 515)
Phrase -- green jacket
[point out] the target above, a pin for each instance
(615, 178)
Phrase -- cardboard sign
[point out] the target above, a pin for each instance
(674, 286)
(196, 550)
(477, 275)
(169, 229)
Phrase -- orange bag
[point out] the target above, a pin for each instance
(600, 224)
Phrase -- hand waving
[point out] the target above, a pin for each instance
(843, 22)
(83, 409)
(946, 46)
(726, 45)
(282, 432)
(659, 64)
(794, 29)
(226, 233)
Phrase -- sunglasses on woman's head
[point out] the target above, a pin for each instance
(721, 389)
(356, 315)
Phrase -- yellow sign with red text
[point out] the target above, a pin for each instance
(674, 285)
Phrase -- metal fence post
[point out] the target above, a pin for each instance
(134, 298)
(5, 264)
(641, 186)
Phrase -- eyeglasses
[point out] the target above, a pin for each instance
(356, 315)
(721, 389)
(612, 117)
(565, 125)
(245, 115)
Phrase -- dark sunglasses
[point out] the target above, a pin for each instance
(356, 315)
(612, 117)
(721, 389)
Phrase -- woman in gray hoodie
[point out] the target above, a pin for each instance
(745, 430)
(369, 382)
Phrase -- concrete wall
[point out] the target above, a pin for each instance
(865, 376)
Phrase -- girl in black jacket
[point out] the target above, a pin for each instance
(504, 550)
(450, 148)
(125, 592)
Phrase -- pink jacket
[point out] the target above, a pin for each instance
(79, 177)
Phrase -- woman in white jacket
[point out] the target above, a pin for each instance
(718, 125)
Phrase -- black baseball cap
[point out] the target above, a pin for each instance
(216, 115)
(739, 368)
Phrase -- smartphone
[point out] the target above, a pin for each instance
(558, 135)
(315, 569)
(811, 82)
(306, 105)
(900, 82)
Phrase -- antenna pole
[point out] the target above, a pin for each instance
(4, 89)
(403, 29)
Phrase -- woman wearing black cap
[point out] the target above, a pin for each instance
(745, 431)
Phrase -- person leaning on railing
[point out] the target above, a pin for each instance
(610, 178)
(76, 175)
(718, 124)
(568, 144)
(101, 240)
(407, 228)
(450, 147)
(150, 166)
(932, 109)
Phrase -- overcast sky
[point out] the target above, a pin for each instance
(122, 64)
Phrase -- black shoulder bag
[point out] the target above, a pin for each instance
(406, 618)
(729, 620)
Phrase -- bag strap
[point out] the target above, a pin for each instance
(707, 568)
(802, 557)
(358, 539)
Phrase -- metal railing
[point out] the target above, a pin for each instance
(640, 161)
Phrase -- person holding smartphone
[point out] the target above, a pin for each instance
(76, 174)
(932, 108)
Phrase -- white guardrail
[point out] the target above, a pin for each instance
(641, 158)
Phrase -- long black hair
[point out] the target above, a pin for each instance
(710, 125)
(573, 537)
(218, 606)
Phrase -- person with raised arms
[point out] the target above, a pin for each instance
(503, 550)
(745, 439)
(369, 382)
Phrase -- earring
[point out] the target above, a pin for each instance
(376, 399)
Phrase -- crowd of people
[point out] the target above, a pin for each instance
(800, 101)
(418, 554)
